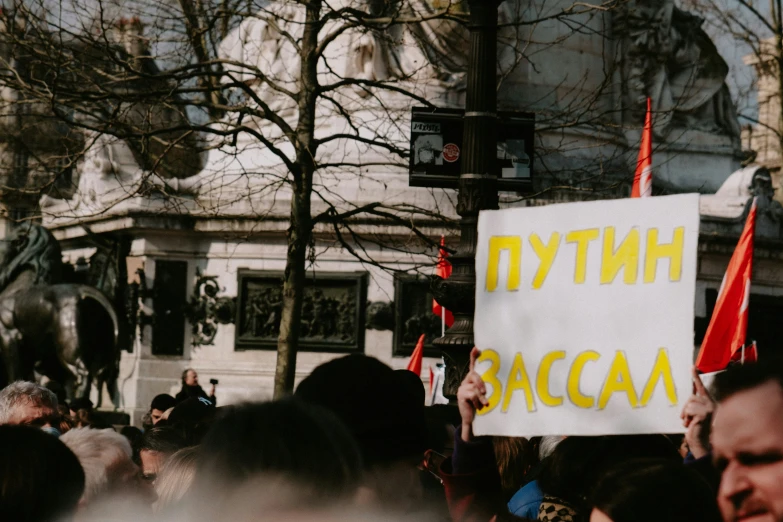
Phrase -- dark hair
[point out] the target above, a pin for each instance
(134, 436)
(163, 402)
(383, 408)
(41, 479)
(162, 440)
(300, 442)
(651, 490)
(578, 463)
(744, 377)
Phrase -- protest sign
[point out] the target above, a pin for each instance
(584, 314)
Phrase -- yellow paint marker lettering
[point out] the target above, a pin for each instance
(546, 255)
(542, 380)
(575, 374)
(514, 246)
(518, 380)
(662, 370)
(491, 377)
(657, 251)
(625, 257)
(618, 381)
(582, 238)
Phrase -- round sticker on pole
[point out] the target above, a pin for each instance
(450, 152)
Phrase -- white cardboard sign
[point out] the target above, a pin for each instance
(584, 313)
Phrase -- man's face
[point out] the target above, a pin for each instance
(151, 463)
(191, 379)
(156, 416)
(747, 441)
(32, 414)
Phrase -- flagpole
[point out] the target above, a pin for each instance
(442, 321)
(742, 357)
(756, 350)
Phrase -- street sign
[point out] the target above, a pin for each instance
(437, 152)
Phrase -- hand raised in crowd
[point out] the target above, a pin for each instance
(471, 396)
(696, 416)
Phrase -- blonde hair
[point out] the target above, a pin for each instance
(99, 452)
(176, 477)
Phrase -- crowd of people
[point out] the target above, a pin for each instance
(356, 442)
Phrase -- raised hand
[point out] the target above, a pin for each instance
(471, 396)
(696, 416)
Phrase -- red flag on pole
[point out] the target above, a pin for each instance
(414, 364)
(725, 335)
(443, 270)
(642, 178)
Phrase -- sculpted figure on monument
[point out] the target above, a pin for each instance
(666, 55)
(65, 332)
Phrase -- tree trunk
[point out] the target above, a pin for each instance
(301, 228)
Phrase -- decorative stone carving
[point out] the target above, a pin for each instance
(666, 55)
(332, 311)
(724, 213)
(206, 310)
(380, 315)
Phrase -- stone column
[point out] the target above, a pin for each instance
(477, 190)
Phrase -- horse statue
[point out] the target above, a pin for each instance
(65, 332)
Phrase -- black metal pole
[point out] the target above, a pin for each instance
(477, 190)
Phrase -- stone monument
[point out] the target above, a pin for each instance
(206, 241)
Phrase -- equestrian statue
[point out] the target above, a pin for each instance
(65, 332)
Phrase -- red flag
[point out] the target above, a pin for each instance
(443, 270)
(414, 364)
(750, 355)
(432, 378)
(642, 178)
(726, 333)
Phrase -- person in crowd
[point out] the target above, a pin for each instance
(81, 404)
(109, 470)
(653, 490)
(156, 446)
(384, 410)
(526, 501)
(285, 439)
(134, 436)
(160, 404)
(29, 404)
(176, 477)
(192, 418)
(192, 389)
(41, 480)
(747, 441)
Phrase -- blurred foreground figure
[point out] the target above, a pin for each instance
(156, 446)
(305, 445)
(40, 478)
(384, 410)
(175, 478)
(29, 404)
(653, 490)
(106, 458)
(747, 442)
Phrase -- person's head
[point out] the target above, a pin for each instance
(156, 446)
(192, 418)
(514, 457)
(383, 409)
(134, 436)
(160, 404)
(653, 490)
(29, 404)
(189, 377)
(41, 480)
(747, 441)
(288, 438)
(106, 458)
(578, 463)
(79, 404)
(176, 477)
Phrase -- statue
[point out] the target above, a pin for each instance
(666, 55)
(65, 332)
